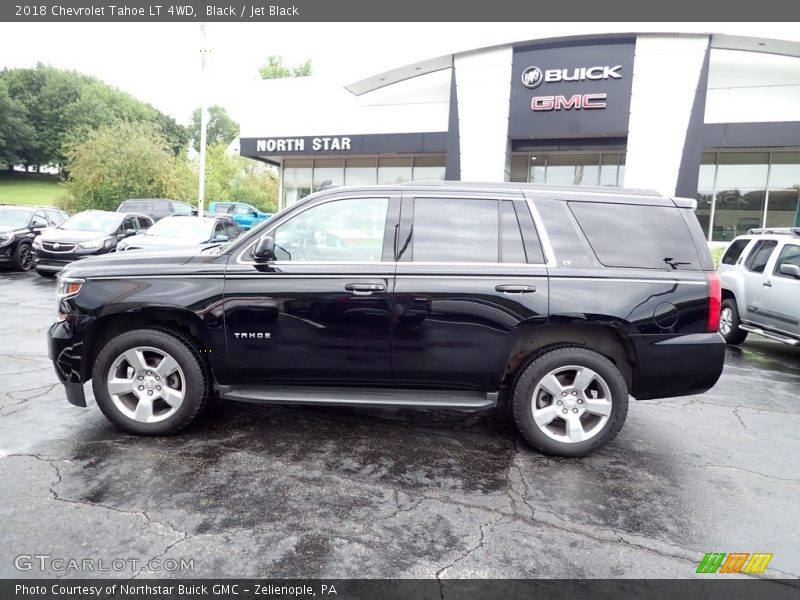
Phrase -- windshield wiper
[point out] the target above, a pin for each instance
(674, 263)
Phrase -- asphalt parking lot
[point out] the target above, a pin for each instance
(318, 492)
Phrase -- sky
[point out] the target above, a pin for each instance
(160, 62)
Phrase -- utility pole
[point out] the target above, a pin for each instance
(203, 122)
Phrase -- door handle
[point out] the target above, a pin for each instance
(364, 289)
(767, 284)
(515, 289)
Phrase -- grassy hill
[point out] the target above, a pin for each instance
(29, 188)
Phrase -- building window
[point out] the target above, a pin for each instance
(302, 176)
(296, 180)
(394, 170)
(739, 190)
(569, 168)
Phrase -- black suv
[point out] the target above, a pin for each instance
(19, 225)
(562, 300)
(157, 208)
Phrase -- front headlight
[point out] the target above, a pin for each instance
(5, 238)
(67, 287)
(94, 244)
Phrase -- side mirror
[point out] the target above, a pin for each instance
(264, 250)
(129, 233)
(253, 213)
(790, 270)
(220, 238)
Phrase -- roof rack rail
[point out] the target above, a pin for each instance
(774, 231)
(596, 189)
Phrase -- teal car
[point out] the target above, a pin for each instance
(244, 215)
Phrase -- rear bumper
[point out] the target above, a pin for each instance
(65, 348)
(678, 365)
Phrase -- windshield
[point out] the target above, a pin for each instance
(14, 217)
(182, 227)
(92, 221)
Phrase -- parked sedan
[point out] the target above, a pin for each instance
(88, 233)
(19, 225)
(184, 232)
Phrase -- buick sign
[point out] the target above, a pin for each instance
(532, 77)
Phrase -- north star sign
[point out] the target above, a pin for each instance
(316, 144)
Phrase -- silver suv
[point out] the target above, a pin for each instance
(760, 275)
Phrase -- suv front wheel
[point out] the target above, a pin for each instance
(569, 401)
(150, 381)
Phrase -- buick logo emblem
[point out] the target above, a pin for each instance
(532, 77)
(56, 246)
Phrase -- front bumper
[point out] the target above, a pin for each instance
(53, 262)
(681, 365)
(65, 348)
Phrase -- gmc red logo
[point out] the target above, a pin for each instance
(576, 102)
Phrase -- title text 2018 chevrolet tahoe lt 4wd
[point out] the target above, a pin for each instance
(444, 295)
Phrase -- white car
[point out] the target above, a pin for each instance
(760, 276)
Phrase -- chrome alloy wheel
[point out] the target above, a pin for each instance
(571, 404)
(146, 384)
(726, 321)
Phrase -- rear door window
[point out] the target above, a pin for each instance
(637, 236)
(759, 256)
(455, 230)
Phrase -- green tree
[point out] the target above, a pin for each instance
(124, 160)
(57, 103)
(15, 132)
(231, 177)
(275, 69)
(221, 128)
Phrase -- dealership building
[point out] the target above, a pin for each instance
(716, 117)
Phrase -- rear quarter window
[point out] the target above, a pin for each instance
(734, 251)
(637, 236)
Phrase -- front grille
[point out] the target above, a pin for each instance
(58, 246)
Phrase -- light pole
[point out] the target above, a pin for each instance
(203, 123)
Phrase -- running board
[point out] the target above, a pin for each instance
(336, 396)
(768, 334)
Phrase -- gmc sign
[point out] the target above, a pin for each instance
(575, 102)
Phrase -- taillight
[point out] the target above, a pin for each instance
(714, 302)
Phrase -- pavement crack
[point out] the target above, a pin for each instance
(741, 420)
(140, 513)
(477, 546)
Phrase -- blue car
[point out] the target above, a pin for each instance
(244, 215)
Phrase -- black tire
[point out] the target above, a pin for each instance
(551, 360)
(22, 260)
(196, 379)
(48, 274)
(729, 329)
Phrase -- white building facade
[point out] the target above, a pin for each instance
(715, 117)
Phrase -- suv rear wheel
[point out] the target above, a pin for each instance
(569, 401)
(729, 323)
(150, 381)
